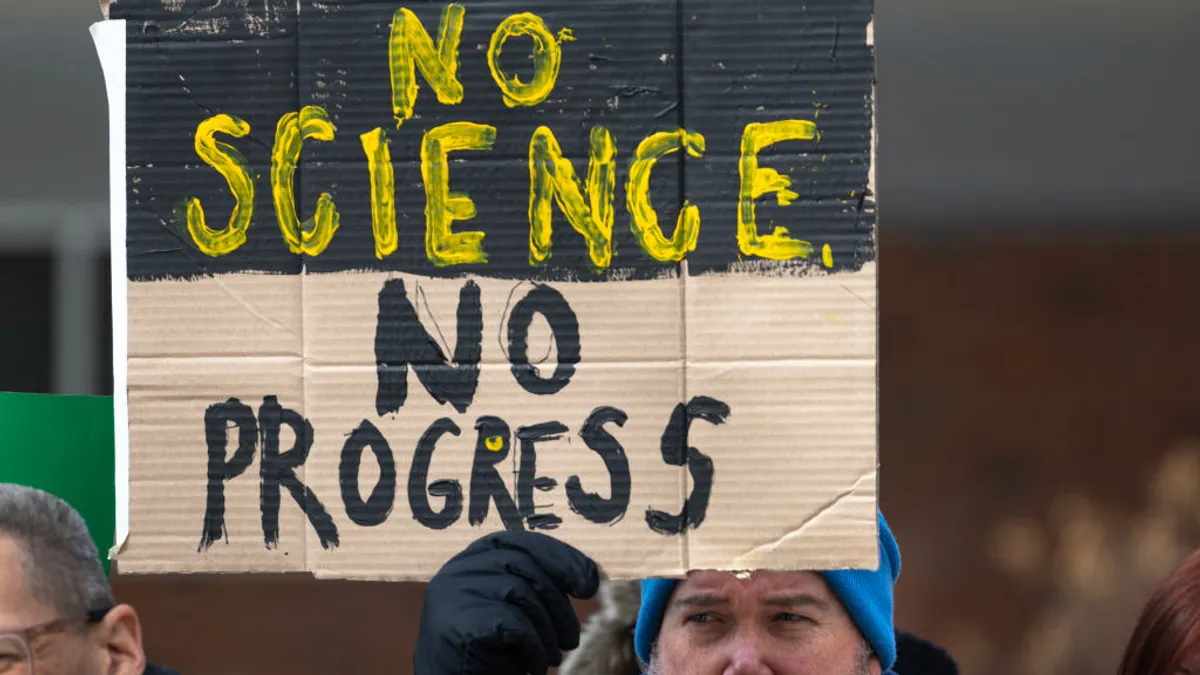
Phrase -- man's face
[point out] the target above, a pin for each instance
(58, 647)
(769, 623)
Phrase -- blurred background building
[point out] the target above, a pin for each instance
(1039, 322)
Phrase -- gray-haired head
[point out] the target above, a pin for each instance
(58, 557)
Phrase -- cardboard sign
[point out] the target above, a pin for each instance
(399, 274)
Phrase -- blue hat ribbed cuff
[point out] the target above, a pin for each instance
(866, 594)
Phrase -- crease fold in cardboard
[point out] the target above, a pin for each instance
(752, 559)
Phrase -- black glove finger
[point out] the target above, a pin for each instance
(551, 599)
(566, 566)
(511, 583)
(510, 644)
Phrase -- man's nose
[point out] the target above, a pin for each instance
(747, 658)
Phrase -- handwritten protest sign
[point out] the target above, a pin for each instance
(400, 274)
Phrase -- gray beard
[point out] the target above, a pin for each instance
(862, 664)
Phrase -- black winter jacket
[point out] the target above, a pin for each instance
(918, 656)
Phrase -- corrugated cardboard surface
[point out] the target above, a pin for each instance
(774, 361)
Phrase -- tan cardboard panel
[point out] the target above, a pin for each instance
(226, 315)
(796, 487)
(637, 321)
(782, 315)
(169, 467)
(812, 508)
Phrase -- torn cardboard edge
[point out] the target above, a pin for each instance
(873, 188)
(109, 38)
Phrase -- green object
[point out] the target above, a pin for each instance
(64, 445)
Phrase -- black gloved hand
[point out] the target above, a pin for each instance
(501, 608)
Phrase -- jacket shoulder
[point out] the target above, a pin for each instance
(918, 656)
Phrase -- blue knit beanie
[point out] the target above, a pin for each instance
(866, 594)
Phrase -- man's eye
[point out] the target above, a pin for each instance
(703, 617)
(790, 617)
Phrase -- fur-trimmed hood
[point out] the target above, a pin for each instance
(606, 645)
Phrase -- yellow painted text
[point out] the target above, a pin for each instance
(547, 57)
(383, 192)
(552, 178)
(642, 217)
(314, 234)
(442, 246)
(411, 47)
(233, 166)
(756, 182)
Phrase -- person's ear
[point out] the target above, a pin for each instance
(873, 666)
(120, 636)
